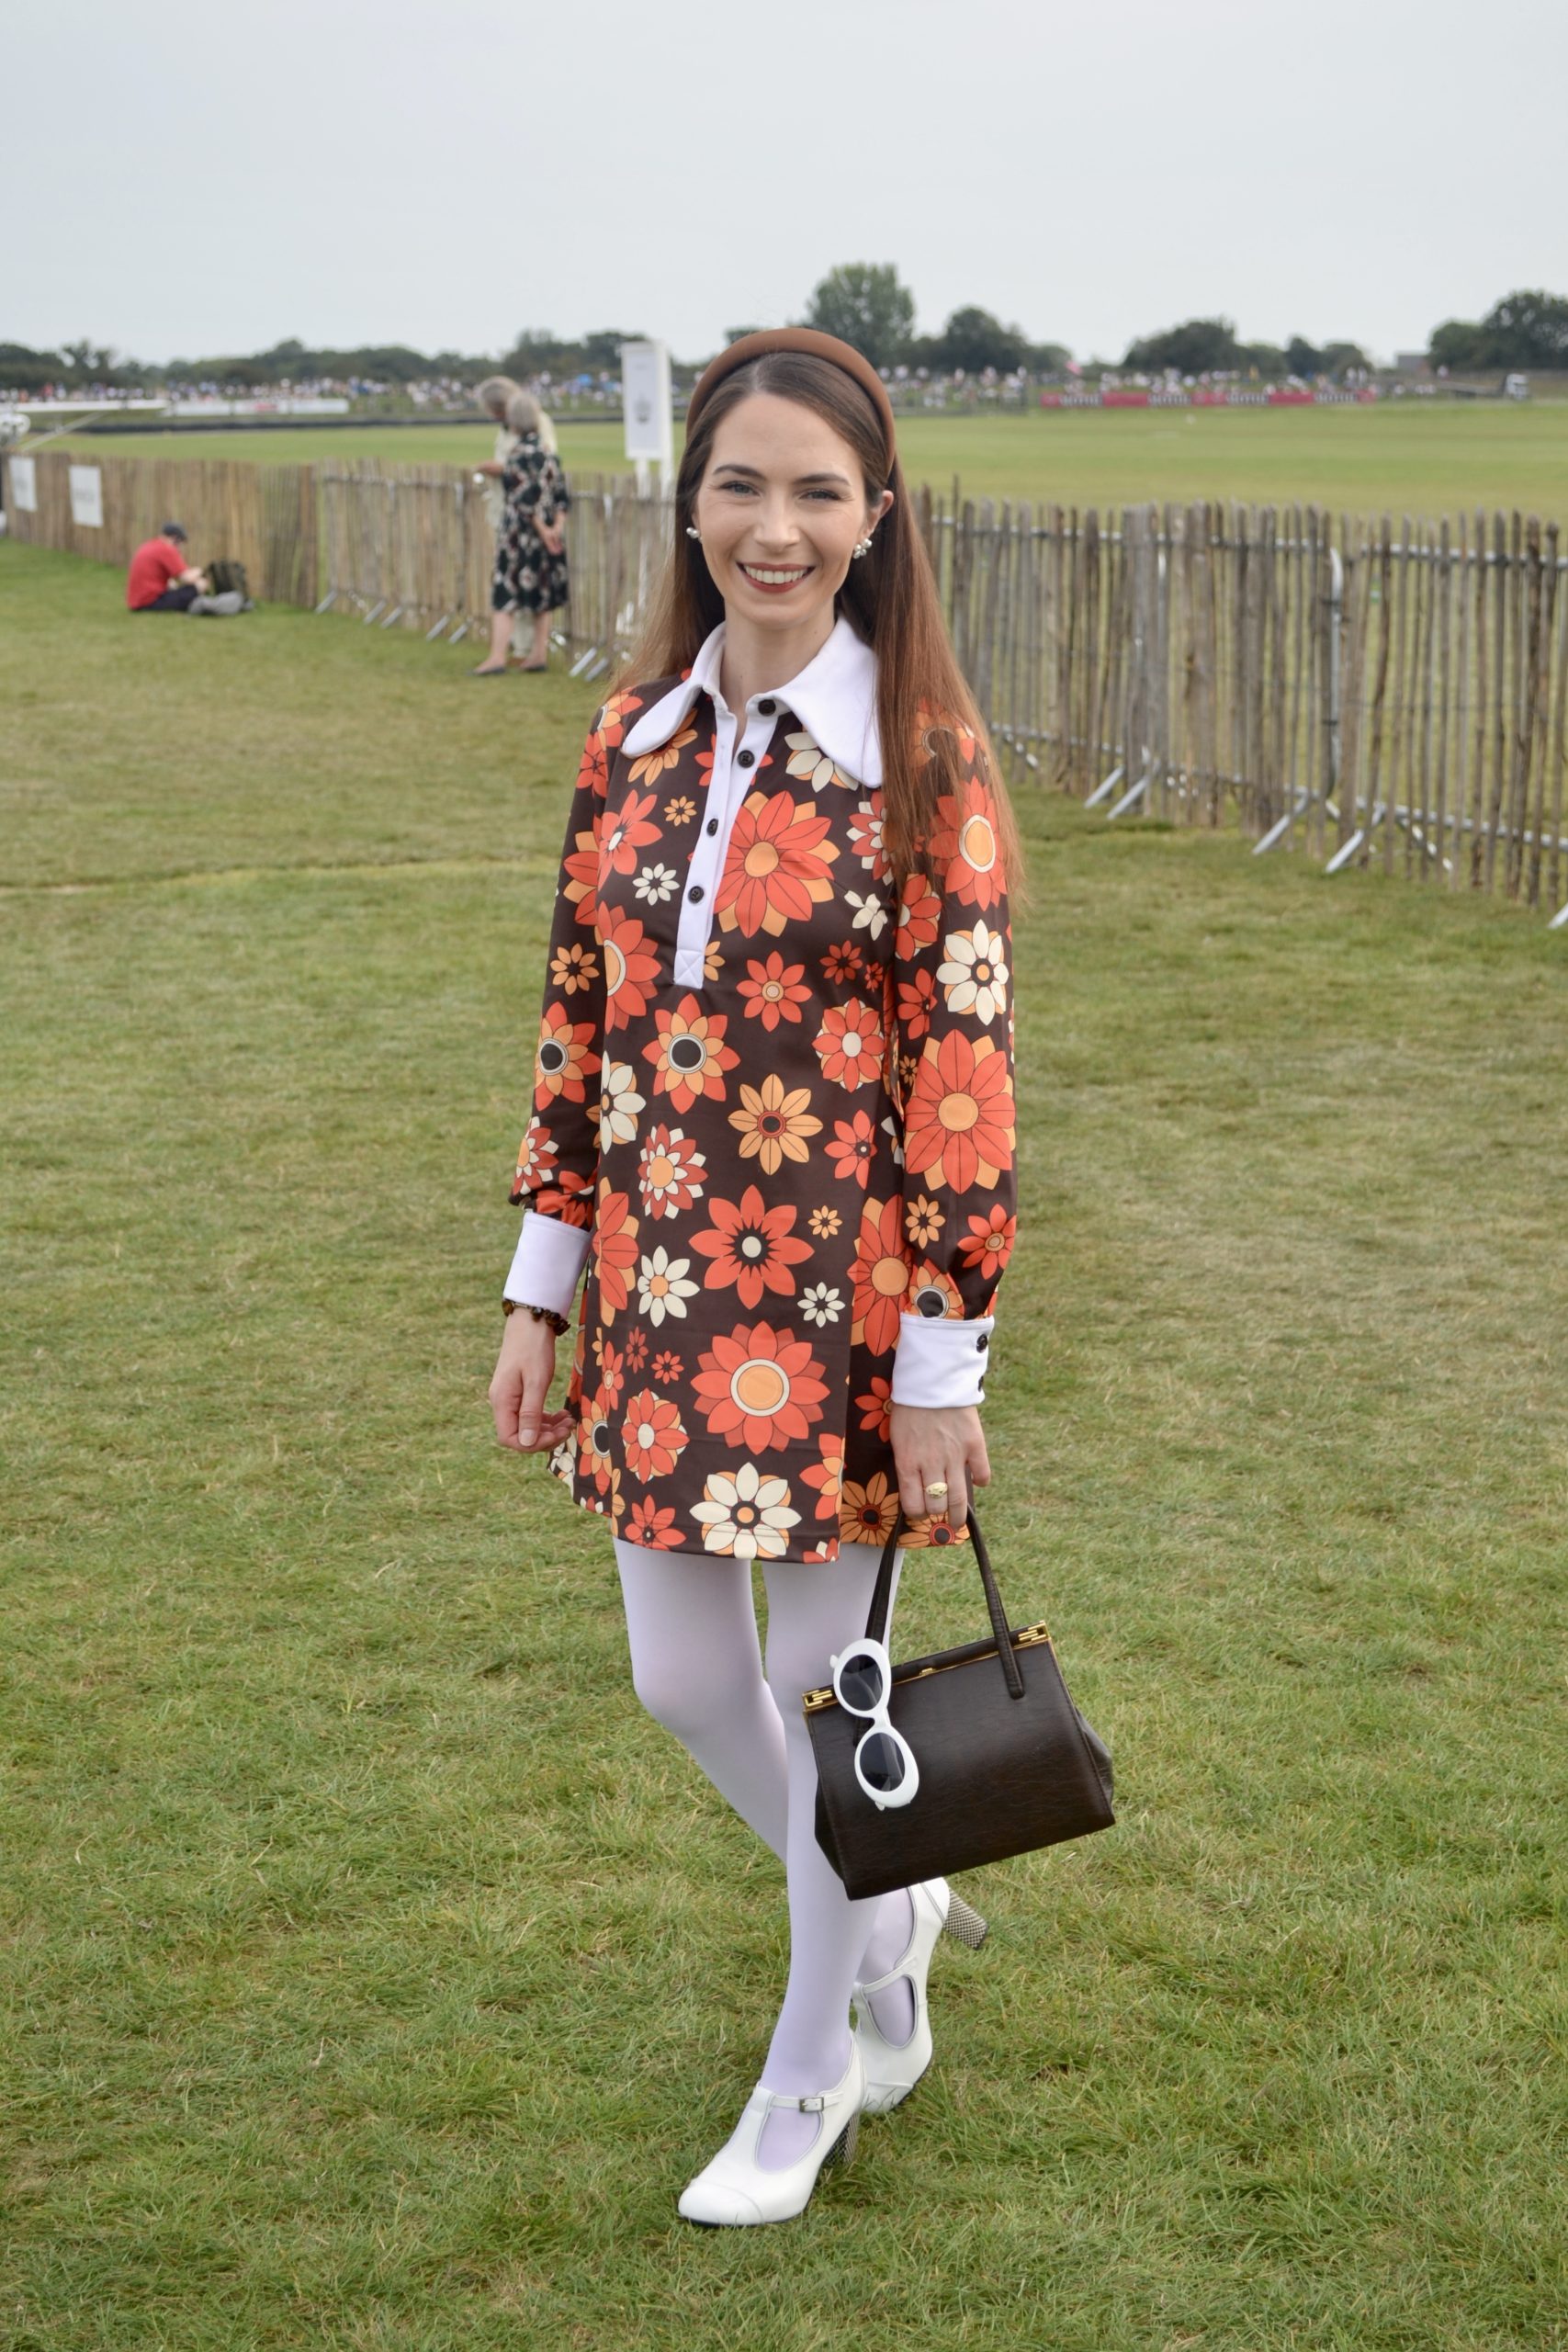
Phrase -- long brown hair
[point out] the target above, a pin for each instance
(923, 704)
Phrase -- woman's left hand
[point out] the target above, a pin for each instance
(933, 1442)
(552, 538)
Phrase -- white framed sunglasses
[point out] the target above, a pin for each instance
(885, 1762)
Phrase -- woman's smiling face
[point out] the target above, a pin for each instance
(780, 509)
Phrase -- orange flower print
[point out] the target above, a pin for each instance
(565, 1061)
(564, 1199)
(615, 1249)
(680, 810)
(842, 963)
(593, 774)
(776, 866)
(652, 1525)
(667, 1366)
(774, 1125)
(866, 1514)
(958, 1126)
(881, 1277)
(934, 1294)
(849, 1044)
(671, 1172)
(919, 915)
(988, 1242)
(572, 968)
(713, 956)
(593, 1443)
(535, 1160)
(626, 830)
(866, 837)
(772, 991)
(653, 1435)
(964, 846)
(631, 967)
(580, 872)
(611, 724)
(875, 1408)
(636, 1349)
(854, 1148)
(612, 1376)
(751, 1245)
(689, 1055)
(761, 1388)
(651, 766)
(827, 1475)
(929, 723)
(917, 996)
(825, 1223)
(923, 1220)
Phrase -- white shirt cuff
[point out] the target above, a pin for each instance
(550, 1257)
(941, 1361)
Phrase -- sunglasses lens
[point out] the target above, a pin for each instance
(860, 1682)
(881, 1762)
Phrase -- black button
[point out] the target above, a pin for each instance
(983, 1342)
(768, 707)
(712, 824)
(695, 892)
(747, 760)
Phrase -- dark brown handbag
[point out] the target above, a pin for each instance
(1006, 1762)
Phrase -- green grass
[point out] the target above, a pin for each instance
(1412, 458)
(376, 1973)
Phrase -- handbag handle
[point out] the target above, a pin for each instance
(876, 1622)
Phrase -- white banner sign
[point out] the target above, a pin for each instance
(24, 485)
(644, 397)
(88, 497)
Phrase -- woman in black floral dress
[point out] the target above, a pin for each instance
(530, 549)
(773, 1119)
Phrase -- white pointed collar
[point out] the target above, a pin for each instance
(834, 697)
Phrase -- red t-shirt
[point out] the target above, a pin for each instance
(156, 563)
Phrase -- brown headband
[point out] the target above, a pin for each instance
(817, 347)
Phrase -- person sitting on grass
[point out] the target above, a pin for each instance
(160, 579)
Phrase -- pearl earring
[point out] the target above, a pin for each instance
(862, 547)
(692, 532)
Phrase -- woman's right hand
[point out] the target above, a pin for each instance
(552, 535)
(524, 1370)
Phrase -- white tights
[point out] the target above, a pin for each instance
(697, 1668)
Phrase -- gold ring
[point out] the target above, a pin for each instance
(937, 1486)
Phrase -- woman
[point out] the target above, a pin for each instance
(530, 547)
(773, 1113)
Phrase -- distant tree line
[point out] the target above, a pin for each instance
(865, 303)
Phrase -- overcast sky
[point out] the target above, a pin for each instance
(190, 179)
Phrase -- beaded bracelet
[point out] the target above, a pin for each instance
(558, 1324)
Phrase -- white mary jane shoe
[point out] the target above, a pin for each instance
(893, 2068)
(735, 2192)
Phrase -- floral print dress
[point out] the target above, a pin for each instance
(528, 578)
(784, 1143)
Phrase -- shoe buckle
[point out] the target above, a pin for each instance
(814, 2105)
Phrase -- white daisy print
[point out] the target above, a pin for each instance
(871, 914)
(974, 977)
(809, 761)
(662, 1285)
(821, 1306)
(619, 1103)
(656, 883)
(745, 1514)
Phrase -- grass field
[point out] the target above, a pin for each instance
(374, 1973)
(1421, 459)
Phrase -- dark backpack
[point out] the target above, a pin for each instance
(225, 573)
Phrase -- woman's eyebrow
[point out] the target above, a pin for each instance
(755, 473)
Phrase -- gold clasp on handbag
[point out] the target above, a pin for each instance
(813, 1701)
(1030, 1635)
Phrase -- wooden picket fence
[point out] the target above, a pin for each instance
(1381, 695)
(264, 515)
(1370, 692)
